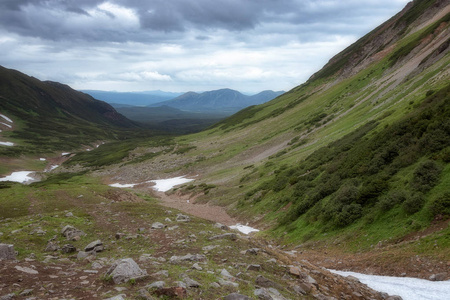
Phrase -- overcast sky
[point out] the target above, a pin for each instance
(182, 45)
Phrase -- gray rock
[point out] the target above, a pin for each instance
(221, 226)
(438, 277)
(82, 254)
(68, 248)
(51, 247)
(252, 251)
(236, 296)
(26, 292)
(187, 257)
(7, 252)
(144, 295)
(155, 285)
(254, 268)
(69, 214)
(262, 294)
(225, 274)
(264, 282)
(26, 270)
(158, 225)
(95, 246)
(180, 284)
(8, 297)
(229, 236)
(197, 267)
(125, 269)
(163, 273)
(190, 282)
(71, 233)
(183, 218)
(224, 282)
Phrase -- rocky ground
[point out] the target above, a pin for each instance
(122, 246)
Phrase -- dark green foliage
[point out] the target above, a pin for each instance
(414, 203)
(59, 178)
(441, 206)
(341, 182)
(425, 176)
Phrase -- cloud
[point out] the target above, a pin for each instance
(181, 44)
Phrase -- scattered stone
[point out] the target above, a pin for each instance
(156, 285)
(180, 284)
(190, 282)
(183, 218)
(26, 292)
(51, 247)
(224, 273)
(224, 282)
(167, 220)
(230, 236)
(68, 248)
(158, 225)
(197, 267)
(71, 233)
(267, 283)
(210, 247)
(26, 270)
(8, 297)
(95, 246)
(254, 268)
(173, 227)
(296, 271)
(187, 257)
(163, 273)
(221, 226)
(82, 254)
(7, 252)
(123, 270)
(252, 251)
(438, 277)
(141, 229)
(69, 214)
(119, 235)
(236, 296)
(262, 294)
(144, 295)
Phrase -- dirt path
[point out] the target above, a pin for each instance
(204, 211)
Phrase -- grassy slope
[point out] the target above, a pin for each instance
(310, 118)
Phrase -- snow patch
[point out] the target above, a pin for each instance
(42, 159)
(21, 176)
(406, 287)
(244, 228)
(7, 144)
(6, 118)
(7, 125)
(126, 185)
(65, 153)
(163, 185)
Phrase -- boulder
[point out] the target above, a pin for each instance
(187, 257)
(7, 252)
(51, 247)
(172, 292)
(95, 246)
(158, 225)
(71, 233)
(438, 277)
(183, 218)
(68, 248)
(229, 236)
(125, 269)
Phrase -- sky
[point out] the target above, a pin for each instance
(182, 45)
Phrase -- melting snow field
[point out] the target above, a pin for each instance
(161, 185)
(7, 144)
(6, 118)
(406, 287)
(22, 177)
(244, 228)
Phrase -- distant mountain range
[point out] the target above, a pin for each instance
(132, 98)
(223, 100)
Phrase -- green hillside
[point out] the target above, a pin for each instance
(360, 149)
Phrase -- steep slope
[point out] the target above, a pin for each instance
(360, 150)
(49, 115)
(223, 100)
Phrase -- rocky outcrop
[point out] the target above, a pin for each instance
(124, 270)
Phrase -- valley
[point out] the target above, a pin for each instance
(348, 171)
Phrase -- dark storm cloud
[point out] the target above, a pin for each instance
(55, 20)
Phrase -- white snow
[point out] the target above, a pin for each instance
(21, 176)
(6, 124)
(163, 185)
(6, 118)
(406, 287)
(65, 153)
(42, 159)
(127, 185)
(244, 228)
(6, 144)
(52, 168)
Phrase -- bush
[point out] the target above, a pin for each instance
(348, 215)
(392, 199)
(426, 176)
(441, 206)
(413, 204)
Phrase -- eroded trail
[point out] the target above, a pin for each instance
(204, 211)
